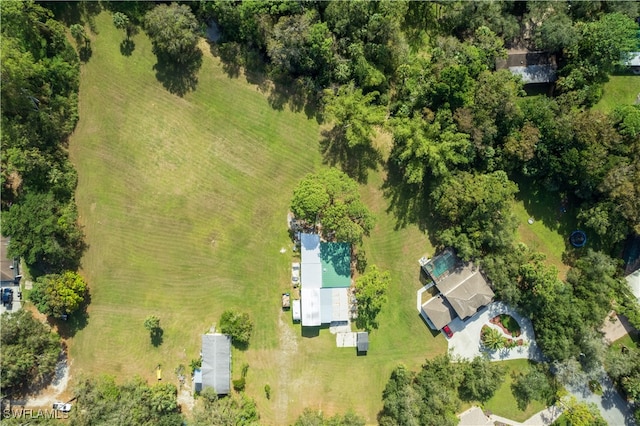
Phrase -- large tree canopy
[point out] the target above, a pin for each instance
(101, 401)
(371, 294)
(29, 351)
(173, 31)
(59, 294)
(332, 198)
(475, 210)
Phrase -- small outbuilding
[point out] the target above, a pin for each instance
(363, 342)
(296, 311)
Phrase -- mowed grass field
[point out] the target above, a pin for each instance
(183, 201)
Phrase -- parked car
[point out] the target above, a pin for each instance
(7, 296)
(447, 331)
(295, 274)
(61, 406)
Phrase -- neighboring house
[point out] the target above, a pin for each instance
(215, 371)
(634, 282)
(325, 270)
(9, 266)
(533, 67)
(633, 62)
(462, 288)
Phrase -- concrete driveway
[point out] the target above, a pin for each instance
(465, 342)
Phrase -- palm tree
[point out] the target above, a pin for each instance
(492, 338)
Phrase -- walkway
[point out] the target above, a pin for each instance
(465, 342)
(475, 417)
(614, 409)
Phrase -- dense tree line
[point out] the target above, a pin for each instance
(40, 77)
(433, 395)
(30, 351)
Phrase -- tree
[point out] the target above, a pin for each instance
(311, 417)
(79, 35)
(332, 198)
(229, 411)
(481, 379)
(531, 385)
(29, 349)
(371, 294)
(44, 232)
(152, 323)
(238, 326)
(492, 339)
(59, 294)
(101, 401)
(121, 22)
(173, 31)
(354, 116)
(475, 211)
(581, 413)
(401, 400)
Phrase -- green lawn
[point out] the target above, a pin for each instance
(183, 202)
(503, 403)
(619, 90)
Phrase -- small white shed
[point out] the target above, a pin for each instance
(296, 310)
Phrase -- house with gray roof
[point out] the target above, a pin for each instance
(533, 67)
(215, 371)
(462, 290)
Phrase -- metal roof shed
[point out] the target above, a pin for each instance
(296, 310)
(363, 341)
(310, 307)
(216, 362)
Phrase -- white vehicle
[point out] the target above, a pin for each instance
(295, 273)
(61, 406)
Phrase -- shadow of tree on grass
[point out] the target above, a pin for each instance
(179, 78)
(354, 161)
(127, 47)
(157, 337)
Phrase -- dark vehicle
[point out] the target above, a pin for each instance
(447, 331)
(7, 296)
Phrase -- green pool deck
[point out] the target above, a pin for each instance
(336, 264)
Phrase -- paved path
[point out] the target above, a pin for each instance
(465, 342)
(614, 409)
(475, 417)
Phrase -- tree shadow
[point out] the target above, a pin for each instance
(157, 337)
(354, 161)
(85, 52)
(74, 322)
(339, 256)
(299, 95)
(127, 46)
(241, 346)
(407, 202)
(179, 78)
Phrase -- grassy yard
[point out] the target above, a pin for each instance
(503, 403)
(183, 201)
(619, 90)
(550, 229)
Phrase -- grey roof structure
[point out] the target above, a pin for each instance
(363, 341)
(533, 67)
(216, 362)
(466, 290)
(439, 311)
